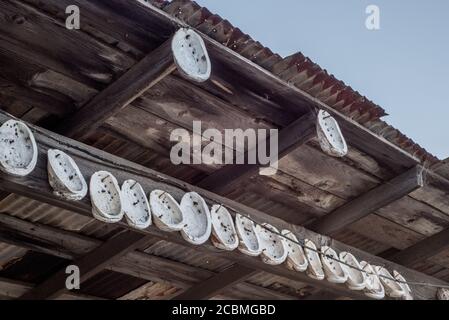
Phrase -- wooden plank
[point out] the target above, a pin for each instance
(72, 246)
(357, 135)
(423, 250)
(89, 265)
(296, 134)
(371, 201)
(290, 138)
(12, 289)
(89, 159)
(133, 33)
(216, 284)
(142, 76)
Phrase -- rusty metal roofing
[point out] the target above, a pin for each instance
(296, 69)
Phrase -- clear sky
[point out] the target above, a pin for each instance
(403, 67)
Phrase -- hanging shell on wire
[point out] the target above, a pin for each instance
(329, 135)
(197, 221)
(18, 149)
(105, 196)
(65, 176)
(135, 205)
(224, 235)
(296, 258)
(167, 214)
(249, 242)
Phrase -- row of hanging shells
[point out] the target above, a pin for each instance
(110, 203)
(197, 224)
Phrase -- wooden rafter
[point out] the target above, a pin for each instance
(90, 265)
(356, 135)
(12, 289)
(141, 77)
(424, 249)
(370, 201)
(89, 159)
(290, 138)
(218, 283)
(72, 246)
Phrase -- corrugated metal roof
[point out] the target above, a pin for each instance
(35, 211)
(296, 69)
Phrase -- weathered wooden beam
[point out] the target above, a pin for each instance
(370, 201)
(218, 283)
(356, 135)
(12, 289)
(142, 76)
(71, 246)
(89, 265)
(423, 250)
(180, 53)
(289, 138)
(89, 159)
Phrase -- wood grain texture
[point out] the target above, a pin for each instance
(11, 289)
(370, 201)
(72, 246)
(142, 76)
(290, 138)
(90, 159)
(423, 249)
(89, 265)
(217, 284)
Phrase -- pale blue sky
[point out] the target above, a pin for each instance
(404, 67)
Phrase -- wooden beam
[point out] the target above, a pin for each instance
(423, 250)
(12, 289)
(89, 265)
(356, 134)
(216, 284)
(141, 77)
(371, 201)
(89, 159)
(72, 246)
(290, 138)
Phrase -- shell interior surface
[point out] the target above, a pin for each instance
(315, 267)
(356, 278)
(332, 268)
(443, 294)
(391, 286)
(330, 136)
(166, 211)
(403, 283)
(191, 55)
(273, 250)
(224, 235)
(135, 205)
(18, 149)
(296, 258)
(373, 286)
(197, 222)
(249, 239)
(64, 176)
(106, 197)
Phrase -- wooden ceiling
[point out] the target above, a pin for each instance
(49, 73)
